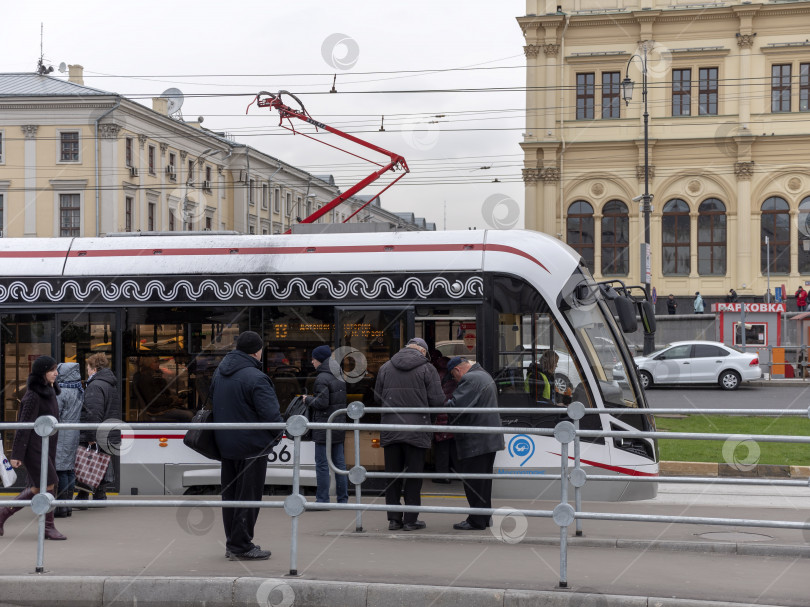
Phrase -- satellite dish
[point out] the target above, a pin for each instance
(175, 98)
(62, 67)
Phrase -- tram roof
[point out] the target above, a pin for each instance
(519, 252)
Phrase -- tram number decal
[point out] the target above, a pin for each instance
(282, 456)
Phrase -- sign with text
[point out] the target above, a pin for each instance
(749, 307)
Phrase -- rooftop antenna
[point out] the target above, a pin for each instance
(41, 69)
(174, 97)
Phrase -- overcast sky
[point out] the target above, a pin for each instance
(397, 59)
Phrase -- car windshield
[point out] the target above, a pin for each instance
(600, 338)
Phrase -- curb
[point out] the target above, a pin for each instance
(714, 470)
(25, 591)
(734, 548)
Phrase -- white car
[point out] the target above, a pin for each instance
(696, 362)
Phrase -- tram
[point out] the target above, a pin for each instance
(166, 308)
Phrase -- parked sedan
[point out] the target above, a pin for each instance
(696, 362)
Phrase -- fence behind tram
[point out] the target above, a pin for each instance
(565, 514)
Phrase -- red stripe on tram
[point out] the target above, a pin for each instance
(152, 436)
(619, 469)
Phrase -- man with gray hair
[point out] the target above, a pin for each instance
(407, 380)
(476, 452)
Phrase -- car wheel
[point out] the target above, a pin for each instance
(562, 383)
(646, 379)
(729, 380)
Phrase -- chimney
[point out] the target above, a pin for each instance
(76, 74)
(160, 105)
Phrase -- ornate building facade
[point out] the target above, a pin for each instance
(728, 97)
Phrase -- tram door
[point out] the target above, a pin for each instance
(24, 338)
(367, 339)
(84, 334)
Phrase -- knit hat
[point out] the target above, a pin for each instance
(321, 353)
(419, 342)
(249, 342)
(42, 365)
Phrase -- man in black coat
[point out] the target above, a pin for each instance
(242, 393)
(476, 452)
(407, 380)
(329, 395)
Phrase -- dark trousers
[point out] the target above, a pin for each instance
(242, 480)
(479, 491)
(444, 455)
(402, 457)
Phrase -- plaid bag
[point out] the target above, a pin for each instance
(91, 466)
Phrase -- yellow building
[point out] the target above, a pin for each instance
(728, 97)
(78, 161)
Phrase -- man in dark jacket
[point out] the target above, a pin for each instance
(242, 393)
(329, 395)
(476, 452)
(407, 380)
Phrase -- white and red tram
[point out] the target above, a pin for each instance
(168, 307)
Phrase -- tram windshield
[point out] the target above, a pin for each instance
(592, 322)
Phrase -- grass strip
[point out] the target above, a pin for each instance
(739, 452)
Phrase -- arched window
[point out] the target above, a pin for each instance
(804, 236)
(676, 234)
(580, 230)
(776, 227)
(712, 238)
(615, 239)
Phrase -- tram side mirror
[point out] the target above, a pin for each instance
(647, 314)
(626, 311)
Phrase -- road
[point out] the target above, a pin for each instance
(746, 397)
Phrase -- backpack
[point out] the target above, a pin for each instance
(297, 406)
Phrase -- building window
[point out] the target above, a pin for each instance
(69, 146)
(776, 227)
(69, 215)
(707, 91)
(277, 202)
(580, 230)
(265, 196)
(682, 92)
(804, 87)
(171, 169)
(1, 147)
(712, 238)
(804, 236)
(585, 96)
(190, 170)
(289, 204)
(2, 212)
(208, 223)
(150, 217)
(252, 230)
(151, 159)
(610, 94)
(780, 87)
(615, 239)
(128, 151)
(171, 220)
(251, 199)
(675, 242)
(128, 214)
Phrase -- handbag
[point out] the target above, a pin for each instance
(7, 474)
(202, 441)
(91, 466)
(297, 406)
(442, 419)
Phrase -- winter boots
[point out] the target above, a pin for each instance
(7, 512)
(51, 532)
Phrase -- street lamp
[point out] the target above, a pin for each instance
(646, 198)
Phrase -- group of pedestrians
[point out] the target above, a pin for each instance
(55, 389)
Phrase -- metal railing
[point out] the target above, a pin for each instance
(565, 433)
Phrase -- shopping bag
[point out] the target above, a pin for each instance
(202, 441)
(7, 474)
(297, 406)
(91, 466)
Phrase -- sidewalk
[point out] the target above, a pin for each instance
(128, 553)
